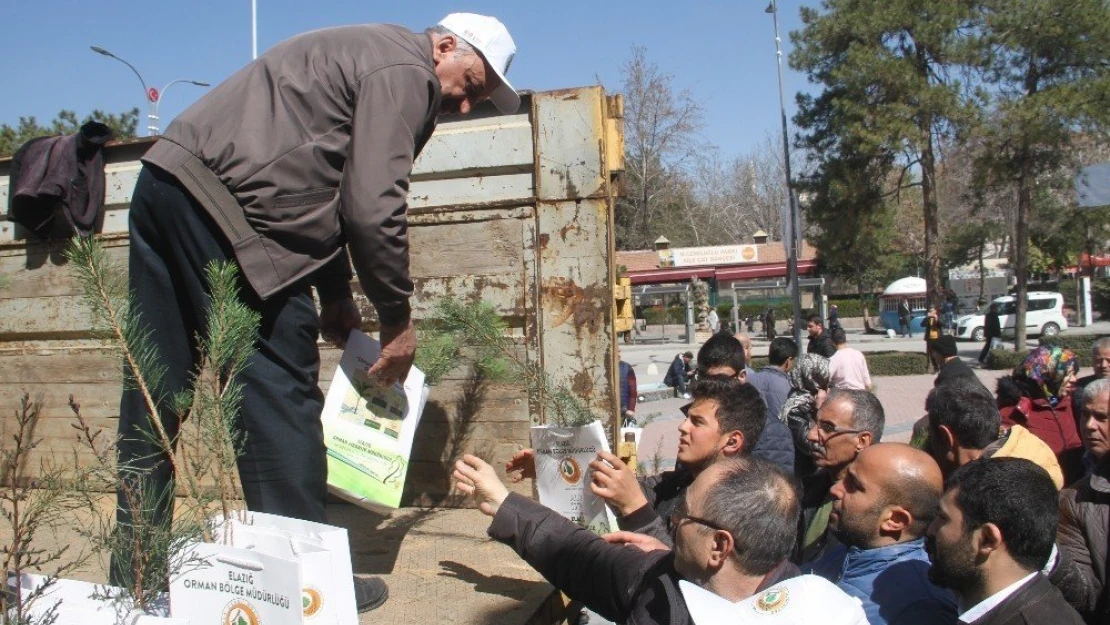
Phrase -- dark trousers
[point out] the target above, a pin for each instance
(986, 349)
(283, 467)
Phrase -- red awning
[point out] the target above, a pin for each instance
(677, 274)
(754, 272)
(729, 273)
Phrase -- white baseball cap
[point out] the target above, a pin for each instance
(493, 41)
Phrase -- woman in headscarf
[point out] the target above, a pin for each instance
(809, 378)
(1037, 396)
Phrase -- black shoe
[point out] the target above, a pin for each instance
(370, 593)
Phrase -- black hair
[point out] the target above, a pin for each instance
(1016, 495)
(782, 349)
(839, 337)
(739, 406)
(966, 407)
(816, 319)
(721, 350)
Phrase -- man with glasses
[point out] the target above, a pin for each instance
(847, 423)
(733, 527)
(881, 509)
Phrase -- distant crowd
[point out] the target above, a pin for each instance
(785, 503)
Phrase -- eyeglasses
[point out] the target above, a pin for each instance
(830, 429)
(680, 513)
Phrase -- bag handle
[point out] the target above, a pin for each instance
(250, 565)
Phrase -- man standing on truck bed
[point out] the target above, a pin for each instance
(295, 167)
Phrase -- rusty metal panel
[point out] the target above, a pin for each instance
(574, 246)
(570, 136)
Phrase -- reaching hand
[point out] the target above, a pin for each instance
(337, 319)
(477, 479)
(398, 351)
(523, 461)
(632, 539)
(614, 482)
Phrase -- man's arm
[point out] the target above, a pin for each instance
(605, 577)
(395, 109)
(646, 521)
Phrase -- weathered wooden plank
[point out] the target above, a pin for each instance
(466, 249)
(476, 146)
(471, 146)
(42, 271)
(450, 192)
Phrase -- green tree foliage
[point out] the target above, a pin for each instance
(857, 230)
(888, 97)
(123, 126)
(1043, 64)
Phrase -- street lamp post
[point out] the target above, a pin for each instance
(153, 96)
(792, 230)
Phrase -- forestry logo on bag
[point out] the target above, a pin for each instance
(772, 601)
(570, 471)
(240, 612)
(311, 601)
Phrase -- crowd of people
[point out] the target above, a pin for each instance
(785, 501)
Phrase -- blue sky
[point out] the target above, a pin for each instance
(722, 51)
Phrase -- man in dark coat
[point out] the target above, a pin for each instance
(679, 373)
(992, 538)
(948, 363)
(819, 340)
(992, 329)
(732, 529)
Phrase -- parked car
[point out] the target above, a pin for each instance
(1044, 315)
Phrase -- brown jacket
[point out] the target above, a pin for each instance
(309, 148)
(1084, 522)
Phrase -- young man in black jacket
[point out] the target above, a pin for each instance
(819, 340)
(725, 420)
(735, 524)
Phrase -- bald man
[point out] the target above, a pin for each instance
(881, 510)
(746, 343)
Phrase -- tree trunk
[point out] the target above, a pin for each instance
(982, 272)
(929, 204)
(1021, 246)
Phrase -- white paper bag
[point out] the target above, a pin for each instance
(221, 584)
(562, 459)
(75, 602)
(327, 592)
(369, 429)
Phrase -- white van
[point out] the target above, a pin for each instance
(1044, 315)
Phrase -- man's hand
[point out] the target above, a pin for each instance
(614, 482)
(477, 479)
(523, 461)
(632, 539)
(398, 350)
(337, 319)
